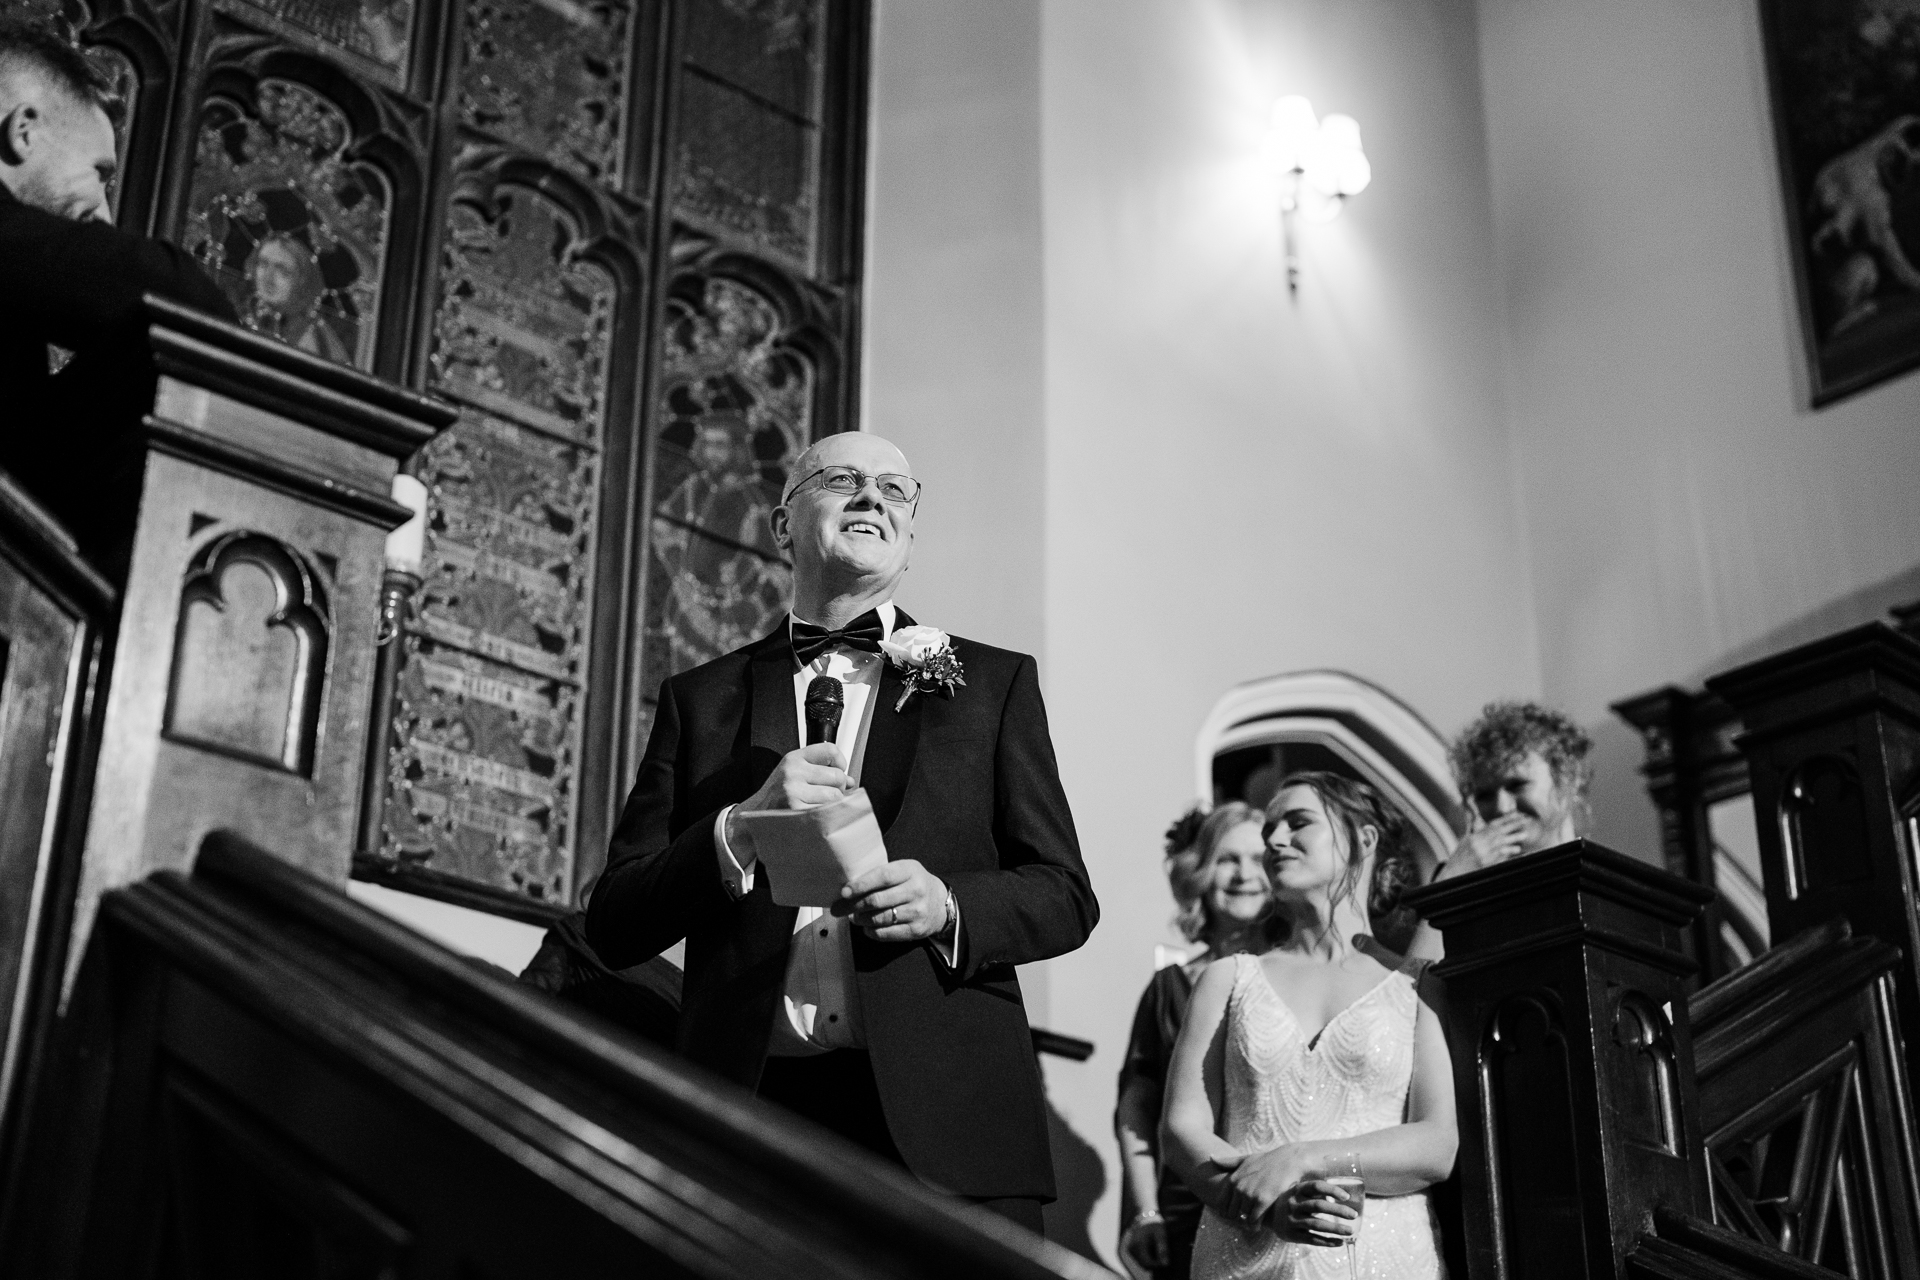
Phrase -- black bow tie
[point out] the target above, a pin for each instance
(864, 632)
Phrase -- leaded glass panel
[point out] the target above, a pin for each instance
(483, 783)
(375, 35)
(770, 48)
(735, 410)
(746, 168)
(550, 76)
(295, 233)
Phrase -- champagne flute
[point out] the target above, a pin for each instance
(1342, 1170)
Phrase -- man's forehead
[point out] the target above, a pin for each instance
(870, 453)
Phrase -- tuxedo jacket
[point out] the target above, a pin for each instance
(967, 786)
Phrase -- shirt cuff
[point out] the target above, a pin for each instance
(738, 879)
(948, 949)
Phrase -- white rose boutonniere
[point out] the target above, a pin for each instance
(924, 656)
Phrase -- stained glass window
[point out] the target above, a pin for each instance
(749, 151)
(294, 232)
(734, 411)
(376, 35)
(550, 76)
(483, 784)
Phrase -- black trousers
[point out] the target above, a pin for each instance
(836, 1090)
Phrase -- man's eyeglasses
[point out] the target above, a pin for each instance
(901, 491)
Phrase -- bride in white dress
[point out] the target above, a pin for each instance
(1313, 1051)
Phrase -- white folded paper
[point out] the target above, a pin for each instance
(809, 855)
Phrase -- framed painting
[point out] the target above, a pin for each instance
(1846, 95)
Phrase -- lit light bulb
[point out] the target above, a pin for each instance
(1296, 131)
(1340, 133)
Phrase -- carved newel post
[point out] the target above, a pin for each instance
(1833, 746)
(243, 666)
(1573, 1064)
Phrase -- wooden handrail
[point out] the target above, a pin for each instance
(670, 1162)
(1683, 1247)
(1805, 1115)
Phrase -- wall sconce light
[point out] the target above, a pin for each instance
(1320, 164)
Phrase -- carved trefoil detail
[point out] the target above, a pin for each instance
(250, 653)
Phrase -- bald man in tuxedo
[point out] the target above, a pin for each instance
(895, 1018)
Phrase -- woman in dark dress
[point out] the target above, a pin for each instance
(1216, 868)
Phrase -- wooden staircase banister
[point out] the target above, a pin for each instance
(1806, 1119)
(1736, 991)
(1683, 1247)
(279, 1005)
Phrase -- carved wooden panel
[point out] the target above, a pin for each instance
(294, 231)
(1526, 1088)
(250, 653)
(1639, 1058)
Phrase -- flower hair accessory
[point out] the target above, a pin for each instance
(924, 656)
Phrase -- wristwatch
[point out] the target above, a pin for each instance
(945, 933)
(1143, 1217)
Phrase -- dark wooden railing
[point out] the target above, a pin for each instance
(1612, 1124)
(268, 1078)
(1805, 1115)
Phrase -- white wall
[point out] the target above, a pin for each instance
(1533, 426)
(1240, 483)
(953, 359)
(1685, 509)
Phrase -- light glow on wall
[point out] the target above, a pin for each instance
(1321, 164)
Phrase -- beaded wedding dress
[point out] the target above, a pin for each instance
(1281, 1088)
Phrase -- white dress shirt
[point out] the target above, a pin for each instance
(822, 1001)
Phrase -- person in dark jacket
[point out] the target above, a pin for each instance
(74, 377)
(894, 1018)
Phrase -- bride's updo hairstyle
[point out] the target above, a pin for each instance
(1353, 805)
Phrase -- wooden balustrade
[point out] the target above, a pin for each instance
(1572, 1057)
(1805, 1113)
(1832, 740)
(266, 1077)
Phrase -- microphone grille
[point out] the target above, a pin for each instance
(824, 694)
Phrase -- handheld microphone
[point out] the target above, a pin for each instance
(825, 699)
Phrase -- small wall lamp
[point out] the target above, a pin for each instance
(1320, 164)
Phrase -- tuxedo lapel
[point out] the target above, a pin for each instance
(775, 727)
(893, 737)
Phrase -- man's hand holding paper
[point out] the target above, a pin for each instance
(809, 855)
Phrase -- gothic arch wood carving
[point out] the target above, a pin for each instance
(1640, 1056)
(1526, 1089)
(250, 653)
(1823, 825)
